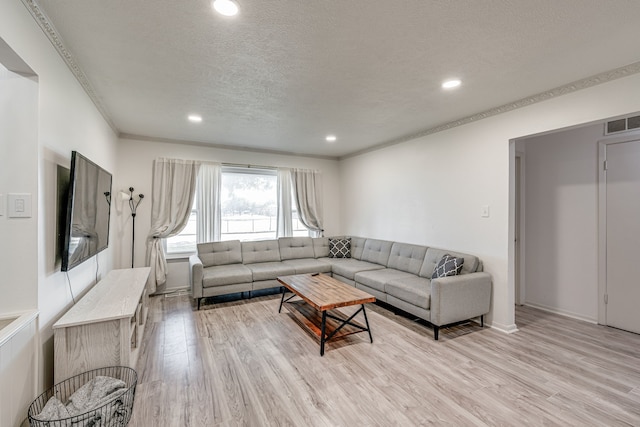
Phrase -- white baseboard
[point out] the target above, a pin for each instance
(507, 329)
(562, 312)
(176, 290)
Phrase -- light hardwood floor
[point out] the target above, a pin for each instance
(242, 363)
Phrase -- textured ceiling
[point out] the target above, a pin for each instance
(284, 73)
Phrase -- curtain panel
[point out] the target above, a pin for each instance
(208, 188)
(285, 223)
(307, 192)
(174, 183)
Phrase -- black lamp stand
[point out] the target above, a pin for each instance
(133, 205)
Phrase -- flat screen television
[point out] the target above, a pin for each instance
(86, 230)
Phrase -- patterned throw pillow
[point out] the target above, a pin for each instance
(448, 266)
(340, 248)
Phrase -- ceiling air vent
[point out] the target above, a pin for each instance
(622, 125)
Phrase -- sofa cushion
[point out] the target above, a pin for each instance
(296, 247)
(220, 253)
(376, 251)
(270, 270)
(340, 248)
(448, 266)
(434, 256)
(405, 257)
(321, 247)
(413, 290)
(260, 251)
(308, 265)
(221, 275)
(348, 267)
(377, 279)
(357, 247)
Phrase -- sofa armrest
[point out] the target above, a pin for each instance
(195, 276)
(458, 298)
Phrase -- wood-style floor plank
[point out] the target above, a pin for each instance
(241, 363)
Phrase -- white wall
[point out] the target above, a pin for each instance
(561, 221)
(135, 163)
(18, 174)
(66, 120)
(430, 190)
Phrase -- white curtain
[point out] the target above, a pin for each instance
(174, 184)
(285, 223)
(307, 192)
(208, 203)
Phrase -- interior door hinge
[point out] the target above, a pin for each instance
(605, 165)
(606, 298)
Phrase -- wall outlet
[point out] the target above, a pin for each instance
(484, 212)
(19, 205)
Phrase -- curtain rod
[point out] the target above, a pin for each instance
(239, 165)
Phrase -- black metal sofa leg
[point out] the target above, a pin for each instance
(199, 299)
(436, 329)
(482, 321)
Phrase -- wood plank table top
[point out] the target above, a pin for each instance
(323, 292)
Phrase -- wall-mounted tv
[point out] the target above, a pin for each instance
(88, 209)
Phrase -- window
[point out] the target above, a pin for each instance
(249, 202)
(249, 208)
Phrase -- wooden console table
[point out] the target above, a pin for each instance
(105, 327)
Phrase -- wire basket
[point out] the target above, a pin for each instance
(115, 412)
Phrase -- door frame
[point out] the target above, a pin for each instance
(602, 218)
(519, 229)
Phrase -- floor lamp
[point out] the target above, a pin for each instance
(133, 205)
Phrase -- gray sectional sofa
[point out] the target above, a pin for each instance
(396, 273)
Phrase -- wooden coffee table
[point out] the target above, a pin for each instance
(321, 293)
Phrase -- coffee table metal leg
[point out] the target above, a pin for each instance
(282, 299)
(367, 322)
(322, 334)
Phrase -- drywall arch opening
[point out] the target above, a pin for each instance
(559, 220)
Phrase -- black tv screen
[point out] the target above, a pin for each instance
(88, 210)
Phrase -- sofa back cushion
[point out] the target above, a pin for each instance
(406, 257)
(357, 247)
(296, 247)
(220, 253)
(260, 251)
(321, 247)
(376, 251)
(433, 257)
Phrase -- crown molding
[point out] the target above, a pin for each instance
(54, 37)
(223, 146)
(585, 83)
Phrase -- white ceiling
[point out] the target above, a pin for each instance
(285, 73)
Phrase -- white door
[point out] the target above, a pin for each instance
(623, 236)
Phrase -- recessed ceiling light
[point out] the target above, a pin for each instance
(331, 138)
(195, 118)
(226, 7)
(450, 84)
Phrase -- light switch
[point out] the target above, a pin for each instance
(485, 211)
(19, 205)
